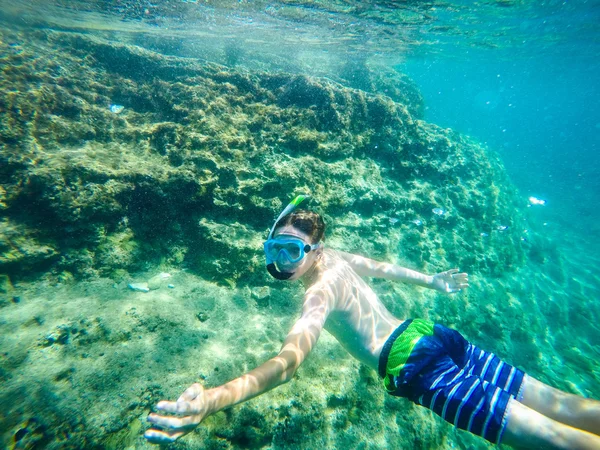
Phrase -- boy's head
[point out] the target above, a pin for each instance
(291, 247)
(308, 222)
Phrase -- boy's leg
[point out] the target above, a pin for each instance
(528, 429)
(566, 408)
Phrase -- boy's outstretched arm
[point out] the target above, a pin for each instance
(448, 281)
(178, 418)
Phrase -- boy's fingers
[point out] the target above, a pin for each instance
(168, 422)
(173, 425)
(166, 406)
(174, 407)
(162, 437)
(191, 393)
(164, 421)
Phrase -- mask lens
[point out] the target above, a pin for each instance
(272, 250)
(284, 250)
(294, 250)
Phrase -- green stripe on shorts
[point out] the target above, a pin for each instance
(404, 345)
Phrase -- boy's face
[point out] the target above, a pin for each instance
(301, 267)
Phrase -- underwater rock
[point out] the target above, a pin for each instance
(378, 79)
(303, 92)
(175, 179)
(20, 248)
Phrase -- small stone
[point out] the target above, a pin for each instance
(262, 295)
(202, 317)
(140, 287)
(116, 109)
(171, 286)
(63, 333)
(59, 336)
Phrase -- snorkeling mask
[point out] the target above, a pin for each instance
(290, 249)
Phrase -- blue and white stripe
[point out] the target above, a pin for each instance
(475, 396)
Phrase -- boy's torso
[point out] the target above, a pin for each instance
(358, 319)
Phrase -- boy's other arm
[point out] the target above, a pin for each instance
(448, 281)
(196, 403)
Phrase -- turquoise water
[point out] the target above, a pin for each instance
(539, 111)
(120, 161)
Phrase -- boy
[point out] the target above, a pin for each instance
(427, 363)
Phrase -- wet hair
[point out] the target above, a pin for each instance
(308, 222)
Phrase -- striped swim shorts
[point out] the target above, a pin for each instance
(436, 367)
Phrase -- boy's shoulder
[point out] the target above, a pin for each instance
(335, 270)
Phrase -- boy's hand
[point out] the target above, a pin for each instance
(190, 408)
(450, 281)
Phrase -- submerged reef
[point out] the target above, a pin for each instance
(202, 157)
(117, 163)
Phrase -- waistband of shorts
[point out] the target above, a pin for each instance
(387, 347)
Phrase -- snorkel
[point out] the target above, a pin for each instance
(271, 268)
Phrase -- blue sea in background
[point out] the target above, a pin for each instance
(537, 103)
(539, 112)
